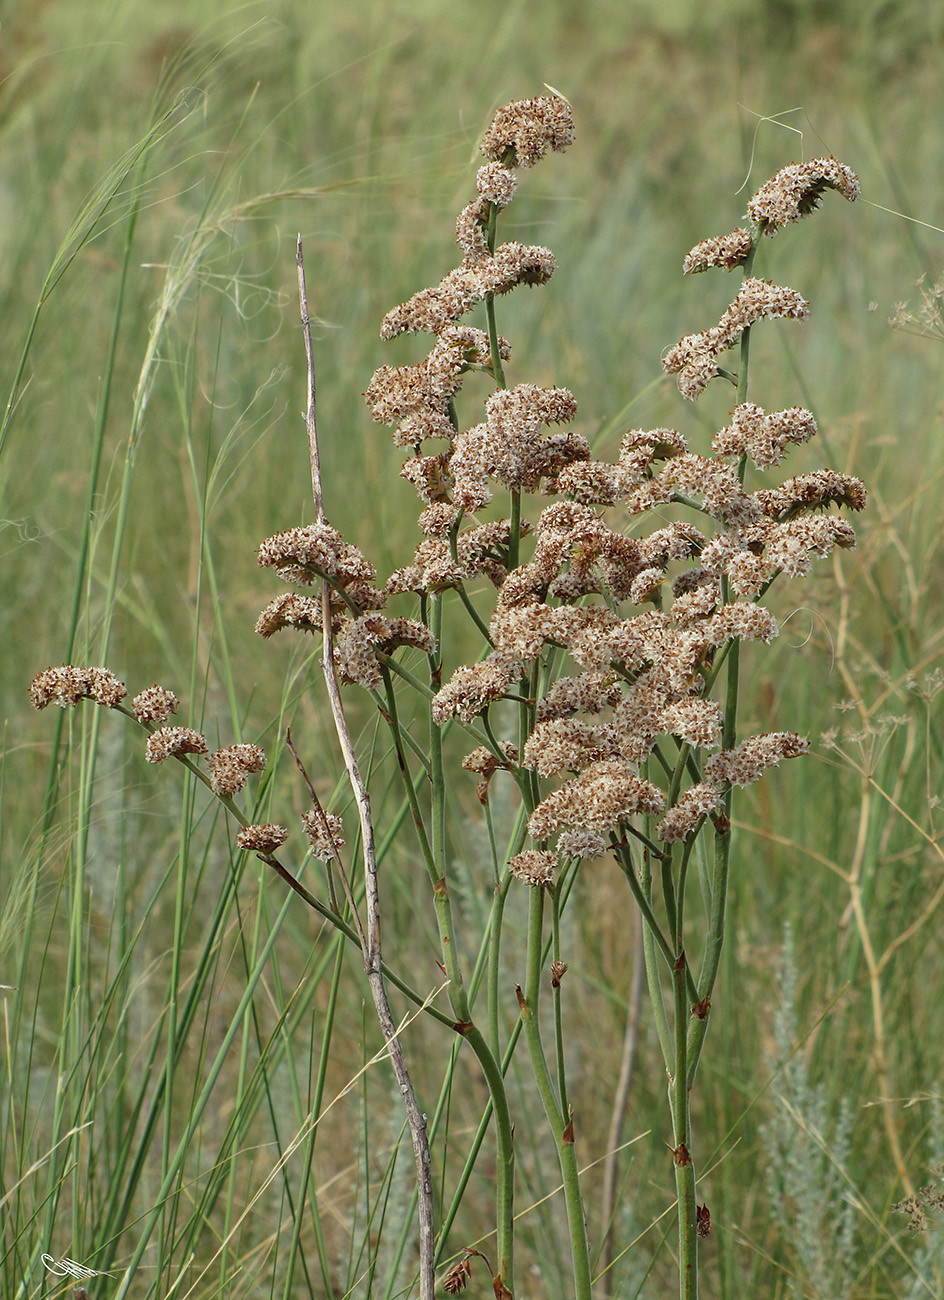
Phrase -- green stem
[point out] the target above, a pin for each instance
(409, 788)
(561, 1124)
(684, 1167)
(494, 963)
(558, 1019)
(645, 906)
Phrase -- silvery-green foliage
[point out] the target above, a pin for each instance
(807, 1150)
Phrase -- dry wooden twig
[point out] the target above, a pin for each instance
(371, 942)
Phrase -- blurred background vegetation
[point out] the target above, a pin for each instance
(156, 163)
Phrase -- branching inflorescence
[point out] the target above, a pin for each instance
(611, 653)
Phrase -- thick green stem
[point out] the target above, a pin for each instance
(682, 1156)
(561, 1124)
(558, 1010)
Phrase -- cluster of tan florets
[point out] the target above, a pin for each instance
(633, 623)
(67, 685)
(227, 769)
(642, 672)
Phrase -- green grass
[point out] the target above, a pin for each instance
(176, 1019)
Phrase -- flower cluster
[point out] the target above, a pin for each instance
(695, 357)
(230, 768)
(325, 832)
(635, 624)
(67, 685)
(641, 619)
(156, 704)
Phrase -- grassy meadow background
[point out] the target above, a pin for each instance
(172, 1020)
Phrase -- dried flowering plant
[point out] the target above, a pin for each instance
(606, 689)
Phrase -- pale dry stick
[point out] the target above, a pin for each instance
(372, 946)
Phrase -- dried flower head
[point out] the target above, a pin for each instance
(262, 839)
(578, 844)
(105, 688)
(601, 799)
(694, 358)
(533, 867)
(155, 704)
(567, 745)
(416, 398)
(471, 232)
(67, 685)
(748, 761)
(485, 761)
(496, 184)
(361, 639)
(727, 251)
(457, 1278)
(764, 437)
(230, 768)
(325, 840)
(520, 133)
(472, 689)
(172, 742)
(317, 551)
(585, 693)
(680, 820)
(795, 192)
(821, 488)
(433, 310)
(693, 720)
(290, 610)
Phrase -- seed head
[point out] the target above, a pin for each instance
(727, 251)
(323, 844)
(230, 767)
(67, 685)
(172, 742)
(795, 191)
(533, 867)
(262, 839)
(154, 704)
(528, 128)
